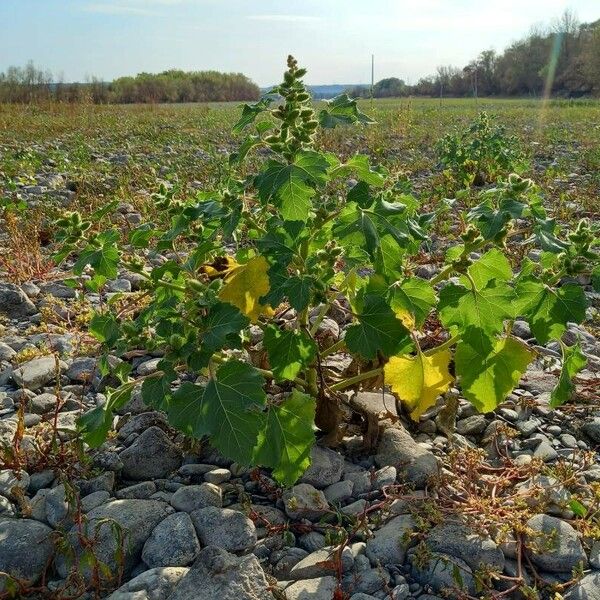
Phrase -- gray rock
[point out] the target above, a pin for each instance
(36, 373)
(152, 455)
(401, 592)
(595, 555)
(321, 563)
(148, 367)
(592, 429)
(389, 544)
(325, 468)
(541, 489)
(43, 403)
(136, 520)
(94, 500)
(7, 508)
(440, 573)
(545, 452)
(140, 423)
(321, 588)
(398, 449)
(82, 369)
(225, 528)
(14, 303)
(456, 539)
(223, 576)
(142, 490)
(26, 549)
(154, 584)
(565, 551)
(217, 476)
(6, 352)
(336, 492)
(355, 508)
(193, 497)
(172, 543)
(13, 483)
(472, 425)
(369, 581)
(587, 588)
(57, 507)
(303, 501)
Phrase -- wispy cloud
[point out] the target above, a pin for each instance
(284, 18)
(116, 9)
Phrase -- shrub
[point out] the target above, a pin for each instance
(287, 242)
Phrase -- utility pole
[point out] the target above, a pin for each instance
(372, 77)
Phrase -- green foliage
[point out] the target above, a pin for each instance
(230, 323)
(480, 154)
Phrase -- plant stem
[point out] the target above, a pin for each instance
(447, 344)
(356, 379)
(337, 346)
(320, 316)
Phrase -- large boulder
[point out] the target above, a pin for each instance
(218, 575)
(26, 548)
(133, 520)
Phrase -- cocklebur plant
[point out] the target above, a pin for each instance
(480, 154)
(292, 240)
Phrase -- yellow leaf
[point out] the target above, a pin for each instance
(408, 320)
(246, 285)
(220, 267)
(419, 380)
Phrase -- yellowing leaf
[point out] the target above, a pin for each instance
(419, 380)
(407, 318)
(246, 285)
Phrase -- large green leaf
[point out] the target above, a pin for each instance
(549, 310)
(485, 309)
(223, 320)
(490, 369)
(573, 361)
(289, 352)
(231, 409)
(291, 186)
(492, 265)
(415, 297)
(378, 329)
(185, 410)
(288, 437)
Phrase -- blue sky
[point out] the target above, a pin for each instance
(334, 39)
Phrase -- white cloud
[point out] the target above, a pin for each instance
(283, 18)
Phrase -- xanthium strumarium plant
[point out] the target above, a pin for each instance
(294, 240)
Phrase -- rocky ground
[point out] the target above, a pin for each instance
(507, 505)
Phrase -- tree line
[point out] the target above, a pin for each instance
(562, 59)
(31, 84)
